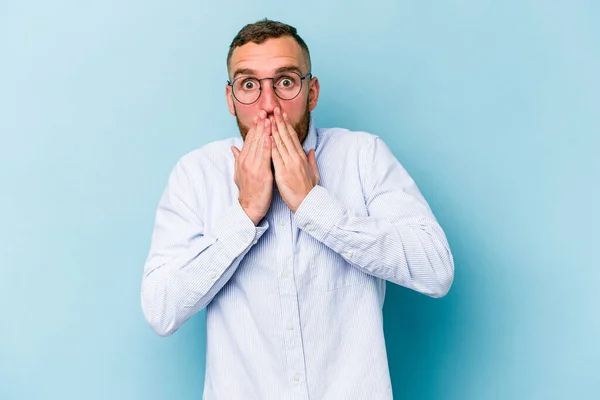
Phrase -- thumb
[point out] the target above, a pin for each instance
(236, 152)
(312, 161)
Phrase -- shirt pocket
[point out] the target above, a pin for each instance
(330, 271)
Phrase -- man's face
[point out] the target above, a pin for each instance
(265, 60)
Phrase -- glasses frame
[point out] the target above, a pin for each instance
(302, 78)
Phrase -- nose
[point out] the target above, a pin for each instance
(268, 98)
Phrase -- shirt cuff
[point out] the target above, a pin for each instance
(318, 213)
(237, 231)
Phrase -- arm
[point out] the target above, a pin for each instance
(187, 266)
(400, 240)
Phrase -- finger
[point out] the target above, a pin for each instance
(276, 156)
(266, 152)
(252, 129)
(286, 133)
(262, 115)
(236, 154)
(260, 134)
(281, 127)
(260, 145)
(313, 162)
(277, 141)
(248, 139)
(293, 134)
(253, 144)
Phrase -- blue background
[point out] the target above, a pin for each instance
(492, 106)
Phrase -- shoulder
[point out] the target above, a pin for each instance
(369, 149)
(210, 158)
(358, 142)
(346, 137)
(212, 154)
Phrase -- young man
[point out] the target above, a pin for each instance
(287, 236)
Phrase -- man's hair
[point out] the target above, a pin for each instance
(262, 30)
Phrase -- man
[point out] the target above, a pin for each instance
(287, 236)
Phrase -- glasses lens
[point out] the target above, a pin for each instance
(287, 85)
(246, 89)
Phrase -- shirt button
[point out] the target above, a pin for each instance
(290, 327)
(297, 377)
(282, 222)
(309, 227)
(285, 274)
(349, 254)
(254, 241)
(213, 275)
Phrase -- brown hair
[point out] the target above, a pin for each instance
(262, 30)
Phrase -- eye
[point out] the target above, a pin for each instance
(286, 82)
(248, 84)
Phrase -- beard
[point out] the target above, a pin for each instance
(301, 127)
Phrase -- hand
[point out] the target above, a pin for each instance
(295, 172)
(253, 175)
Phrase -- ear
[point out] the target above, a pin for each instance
(229, 96)
(313, 93)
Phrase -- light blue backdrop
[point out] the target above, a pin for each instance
(492, 106)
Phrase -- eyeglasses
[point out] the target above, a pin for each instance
(287, 85)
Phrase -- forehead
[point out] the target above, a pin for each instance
(268, 56)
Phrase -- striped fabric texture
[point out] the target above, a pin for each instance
(293, 305)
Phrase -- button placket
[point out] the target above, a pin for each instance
(288, 292)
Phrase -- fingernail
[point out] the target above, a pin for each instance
(285, 116)
(267, 122)
(277, 110)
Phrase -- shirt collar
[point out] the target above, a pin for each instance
(311, 139)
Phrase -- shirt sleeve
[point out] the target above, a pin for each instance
(186, 265)
(400, 240)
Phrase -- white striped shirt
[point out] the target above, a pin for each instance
(293, 305)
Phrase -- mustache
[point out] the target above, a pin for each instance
(301, 127)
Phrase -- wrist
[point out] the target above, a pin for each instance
(255, 217)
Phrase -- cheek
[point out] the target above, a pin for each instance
(246, 113)
(295, 108)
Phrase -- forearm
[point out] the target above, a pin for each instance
(179, 282)
(413, 253)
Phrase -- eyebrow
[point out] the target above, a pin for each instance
(290, 68)
(243, 71)
(248, 71)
